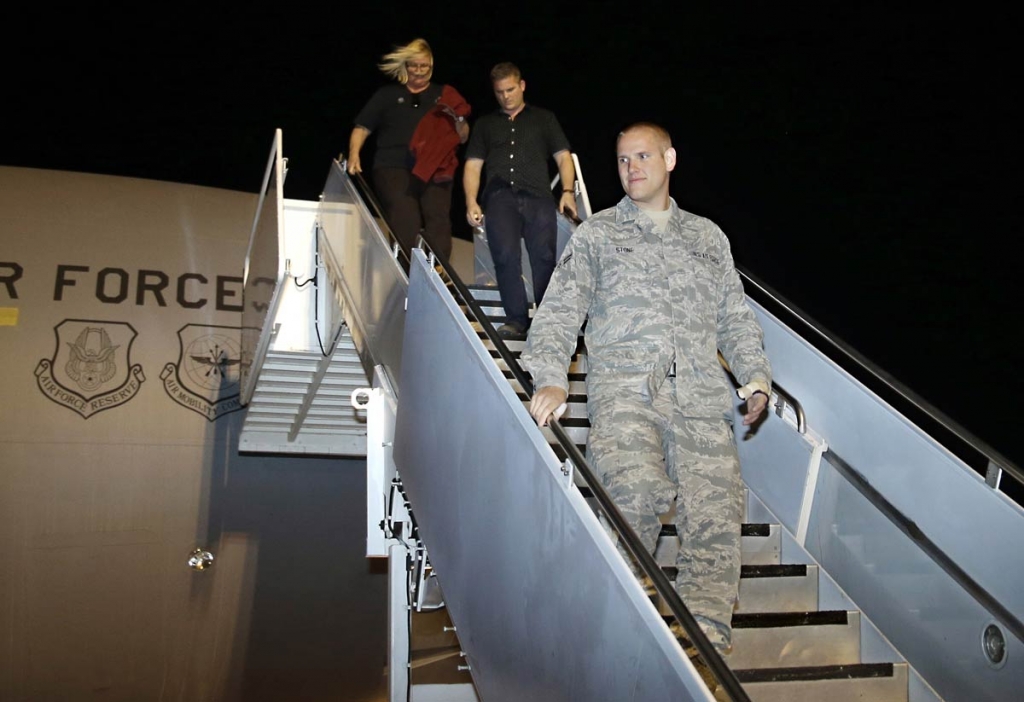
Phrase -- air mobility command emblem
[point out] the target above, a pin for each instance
(205, 378)
(91, 370)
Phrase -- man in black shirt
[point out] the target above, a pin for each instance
(514, 144)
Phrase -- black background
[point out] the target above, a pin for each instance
(858, 158)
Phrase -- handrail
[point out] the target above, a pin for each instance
(784, 396)
(647, 563)
(929, 547)
(632, 542)
(645, 559)
(798, 409)
(882, 383)
(397, 246)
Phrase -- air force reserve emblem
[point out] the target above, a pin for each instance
(91, 370)
(205, 378)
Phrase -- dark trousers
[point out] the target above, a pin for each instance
(410, 205)
(513, 217)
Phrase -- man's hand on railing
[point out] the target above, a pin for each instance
(756, 395)
(576, 221)
(567, 206)
(547, 402)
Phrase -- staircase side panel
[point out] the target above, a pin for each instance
(976, 526)
(926, 615)
(363, 275)
(775, 460)
(544, 606)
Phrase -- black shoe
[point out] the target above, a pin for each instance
(511, 330)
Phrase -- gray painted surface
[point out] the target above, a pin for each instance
(544, 606)
(930, 619)
(98, 514)
(364, 272)
(925, 614)
(781, 485)
(949, 501)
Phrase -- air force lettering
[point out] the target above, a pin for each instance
(91, 369)
(206, 377)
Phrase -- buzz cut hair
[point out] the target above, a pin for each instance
(661, 135)
(505, 69)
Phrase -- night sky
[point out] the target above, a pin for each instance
(858, 159)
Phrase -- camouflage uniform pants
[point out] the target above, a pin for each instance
(650, 457)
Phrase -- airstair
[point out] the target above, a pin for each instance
(880, 561)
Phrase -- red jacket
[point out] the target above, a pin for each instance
(435, 140)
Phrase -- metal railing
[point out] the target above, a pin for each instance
(402, 253)
(785, 399)
(993, 606)
(980, 456)
(630, 540)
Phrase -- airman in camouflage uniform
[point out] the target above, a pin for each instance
(662, 297)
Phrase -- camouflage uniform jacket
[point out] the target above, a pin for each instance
(651, 299)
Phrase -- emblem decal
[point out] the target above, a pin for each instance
(90, 370)
(206, 377)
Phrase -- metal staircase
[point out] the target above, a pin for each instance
(848, 499)
(303, 403)
(784, 646)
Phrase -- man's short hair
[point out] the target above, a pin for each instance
(504, 70)
(661, 134)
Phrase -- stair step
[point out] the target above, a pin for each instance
(776, 639)
(569, 422)
(464, 692)
(577, 389)
(491, 307)
(515, 350)
(572, 399)
(778, 588)
(770, 588)
(484, 292)
(577, 429)
(561, 454)
(790, 639)
(862, 682)
(760, 544)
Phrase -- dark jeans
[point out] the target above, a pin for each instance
(512, 217)
(411, 205)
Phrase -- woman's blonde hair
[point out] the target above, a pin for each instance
(393, 64)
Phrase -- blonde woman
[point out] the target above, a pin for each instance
(414, 184)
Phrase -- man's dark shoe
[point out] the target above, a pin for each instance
(511, 330)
